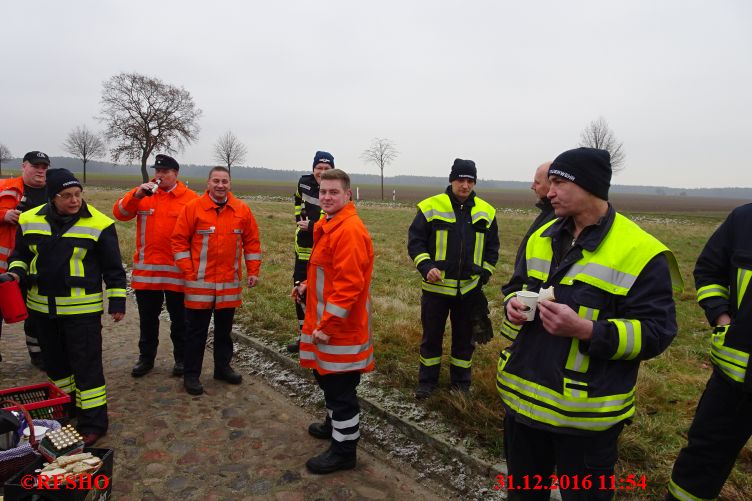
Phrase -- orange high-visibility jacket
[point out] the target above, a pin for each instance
(338, 296)
(11, 193)
(153, 262)
(209, 244)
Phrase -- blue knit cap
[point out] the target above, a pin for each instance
(323, 157)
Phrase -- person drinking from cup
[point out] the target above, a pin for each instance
(567, 382)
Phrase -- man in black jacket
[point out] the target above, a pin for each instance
(540, 186)
(723, 420)
(307, 212)
(454, 243)
(64, 250)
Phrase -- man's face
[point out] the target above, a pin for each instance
(540, 182)
(219, 185)
(332, 196)
(462, 187)
(319, 169)
(68, 201)
(34, 175)
(567, 198)
(169, 178)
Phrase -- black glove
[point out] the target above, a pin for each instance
(6, 277)
(481, 326)
(485, 276)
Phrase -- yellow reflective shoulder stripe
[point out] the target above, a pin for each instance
(712, 290)
(437, 207)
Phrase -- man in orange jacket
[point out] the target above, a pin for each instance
(214, 234)
(336, 341)
(17, 195)
(155, 277)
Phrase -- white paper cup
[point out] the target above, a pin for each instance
(529, 299)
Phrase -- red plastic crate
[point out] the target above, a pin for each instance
(43, 400)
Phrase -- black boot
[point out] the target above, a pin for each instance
(294, 347)
(329, 462)
(193, 386)
(321, 430)
(178, 369)
(36, 360)
(227, 374)
(142, 367)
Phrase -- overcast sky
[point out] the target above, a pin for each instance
(507, 84)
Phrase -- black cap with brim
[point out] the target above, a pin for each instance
(165, 162)
(36, 157)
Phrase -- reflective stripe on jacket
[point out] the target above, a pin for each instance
(11, 192)
(620, 278)
(210, 244)
(459, 239)
(306, 205)
(64, 267)
(338, 298)
(723, 273)
(153, 262)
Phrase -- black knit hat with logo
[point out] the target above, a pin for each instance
(463, 169)
(60, 179)
(589, 168)
(323, 157)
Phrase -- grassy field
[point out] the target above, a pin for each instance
(669, 386)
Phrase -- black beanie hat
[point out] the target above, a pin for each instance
(60, 179)
(323, 157)
(589, 168)
(463, 169)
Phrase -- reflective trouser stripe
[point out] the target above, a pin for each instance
(458, 362)
(67, 384)
(682, 494)
(429, 362)
(88, 399)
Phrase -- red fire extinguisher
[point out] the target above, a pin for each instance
(11, 302)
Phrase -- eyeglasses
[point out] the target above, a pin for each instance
(68, 196)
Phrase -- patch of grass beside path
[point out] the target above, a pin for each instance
(668, 389)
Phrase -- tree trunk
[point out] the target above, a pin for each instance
(144, 174)
(84, 161)
(382, 184)
(229, 168)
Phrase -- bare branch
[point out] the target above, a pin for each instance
(382, 153)
(142, 114)
(85, 145)
(229, 150)
(5, 156)
(599, 135)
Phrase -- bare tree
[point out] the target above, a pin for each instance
(229, 150)
(599, 135)
(5, 156)
(142, 114)
(382, 153)
(85, 145)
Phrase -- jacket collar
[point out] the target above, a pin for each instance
(82, 212)
(470, 202)
(327, 225)
(208, 204)
(591, 237)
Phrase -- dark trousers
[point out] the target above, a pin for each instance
(343, 409)
(198, 331)
(434, 309)
(721, 426)
(299, 274)
(531, 451)
(72, 351)
(149, 308)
